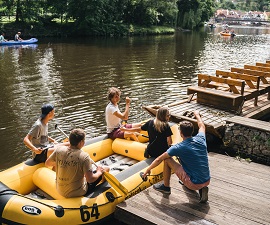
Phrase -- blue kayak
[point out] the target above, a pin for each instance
(23, 42)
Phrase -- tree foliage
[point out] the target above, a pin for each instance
(193, 12)
(103, 16)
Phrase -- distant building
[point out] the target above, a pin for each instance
(221, 14)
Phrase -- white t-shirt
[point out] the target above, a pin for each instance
(112, 120)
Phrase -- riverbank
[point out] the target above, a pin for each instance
(71, 30)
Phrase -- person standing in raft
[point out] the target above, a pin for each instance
(193, 169)
(74, 174)
(159, 133)
(113, 117)
(37, 139)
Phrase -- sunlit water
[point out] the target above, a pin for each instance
(76, 74)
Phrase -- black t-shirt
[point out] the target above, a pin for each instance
(157, 140)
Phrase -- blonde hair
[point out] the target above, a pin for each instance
(112, 92)
(161, 119)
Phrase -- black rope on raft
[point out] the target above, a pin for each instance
(12, 192)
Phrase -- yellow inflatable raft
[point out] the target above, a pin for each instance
(28, 194)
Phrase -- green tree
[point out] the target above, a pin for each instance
(191, 13)
(229, 5)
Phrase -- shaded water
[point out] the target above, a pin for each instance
(76, 74)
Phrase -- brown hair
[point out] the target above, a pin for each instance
(112, 92)
(186, 128)
(161, 119)
(76, 135)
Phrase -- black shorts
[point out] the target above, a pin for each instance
(42, 157)
(91, 186)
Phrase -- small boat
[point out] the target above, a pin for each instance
(28, 192)
(23, 42)
(229, 34)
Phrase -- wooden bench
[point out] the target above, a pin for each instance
(207, 91)
(265, 86)
(251, 90)
(259, 68)
(263, 64)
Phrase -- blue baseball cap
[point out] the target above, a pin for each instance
(45, 109)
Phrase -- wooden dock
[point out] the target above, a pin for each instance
(244, 92)
(239, 190)
(238, 194)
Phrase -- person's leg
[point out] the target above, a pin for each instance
(41, 158)
(203, 192)
(169, 166)
(131, 135)
(91, 186)
(137, 126)
(124, 135)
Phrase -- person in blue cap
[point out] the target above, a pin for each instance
(37, 139)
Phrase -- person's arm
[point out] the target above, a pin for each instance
(133, 129)
(199, 121)
(52, 140)
(155, 163)
(169, 140)
(124, 115)
(28, 143)
(50, 162)
(92, 177)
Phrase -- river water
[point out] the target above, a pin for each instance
(76, 74)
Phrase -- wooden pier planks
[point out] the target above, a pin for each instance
(254, 107)
(238, 194)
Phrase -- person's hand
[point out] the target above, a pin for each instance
(122, 128)
(128, 100)
(196, 113)
(146, 173)
(99, 168)
(37, 150)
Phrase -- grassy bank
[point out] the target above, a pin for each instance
(54, 29)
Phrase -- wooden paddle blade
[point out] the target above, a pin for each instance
(115, 183)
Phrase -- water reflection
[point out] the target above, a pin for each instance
(76, 77)
(4, 48)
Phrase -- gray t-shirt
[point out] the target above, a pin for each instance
(39, 132)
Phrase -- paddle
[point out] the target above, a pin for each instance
(109, 177)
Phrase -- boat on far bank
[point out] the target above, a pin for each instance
(22, 42)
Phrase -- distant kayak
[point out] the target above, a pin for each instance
(23, 42)
(227, 34)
